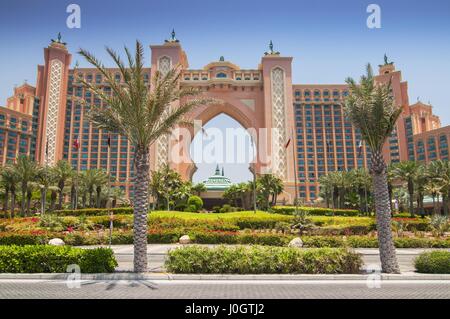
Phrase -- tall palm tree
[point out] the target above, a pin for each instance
(439, 172)
(371, 108)
(90, 180)
(101, 180)
(26, 170)
(10, 181)
(142, 114)
(62, 171)
(407, 172)
(269, 185)
(74, 189)
(326, 188)
(45, 180)
(360, 181)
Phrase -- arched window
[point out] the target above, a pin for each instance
(221, 75)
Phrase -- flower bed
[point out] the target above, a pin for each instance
(262, 260)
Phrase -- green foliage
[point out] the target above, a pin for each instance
(94, 211)
(45, 259)
(435, 262)
(439, 225)
(315, 211)
(195, 202)
(262, 260)
(52, 222)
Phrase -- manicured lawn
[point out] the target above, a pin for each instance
(212, 216)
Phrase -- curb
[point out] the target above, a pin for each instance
(186, 277)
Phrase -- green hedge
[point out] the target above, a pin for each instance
(262, 260)
(164, 236)
(435, 262)
(94, 211)
(315, 211)
(52, 259)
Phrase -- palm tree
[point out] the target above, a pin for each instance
(142, 114)
(90, 180)
(420, 182)
(407, 172)
(101, 179)
(198, 188)
(45, 180)
(26, 170)
(62, 172)
(360, 180)
(269, 185)
(74, 185)
(371, 108)
(326, 188)
(439, 172)
(9, 180)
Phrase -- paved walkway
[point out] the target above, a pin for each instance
(157, 254)
(226, 289)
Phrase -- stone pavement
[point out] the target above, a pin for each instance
(225, 289)
(157, 254)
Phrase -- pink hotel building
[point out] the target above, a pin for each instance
(44, 121)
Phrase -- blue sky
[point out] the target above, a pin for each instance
(328, 39)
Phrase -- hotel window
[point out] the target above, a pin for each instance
(146, 78)
(89, 78)
(98, 78)
(117, 77)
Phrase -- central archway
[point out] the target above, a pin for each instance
(223, 142)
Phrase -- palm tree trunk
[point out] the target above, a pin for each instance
(43, 199)
(13, 203)
(52, 200)
(411, 198)
(61, 194)
(99, 191)
(383, 215)
(29, 195)
(5, 202)
(23, 199)
(141, 209)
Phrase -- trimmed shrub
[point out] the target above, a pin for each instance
(435, 262)
(94, 211)
(195, 202)
(52, 259)
(262, 260)
(315, 211)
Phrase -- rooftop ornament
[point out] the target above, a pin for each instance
(172, 39)
(221, 59)
(386, 62)
(58, 40)
(271, 51)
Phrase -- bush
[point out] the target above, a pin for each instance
(435, 262)
(94, 211)
(262, 260)
(315, 211)
(52, 259)
(195, 202)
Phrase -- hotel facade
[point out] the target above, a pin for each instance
(47, 123)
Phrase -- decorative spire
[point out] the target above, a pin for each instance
(217, 170)
(221, 59)
(271, 51)
(223, 174)
(173, 39)
(386, 61)
(58, 40)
